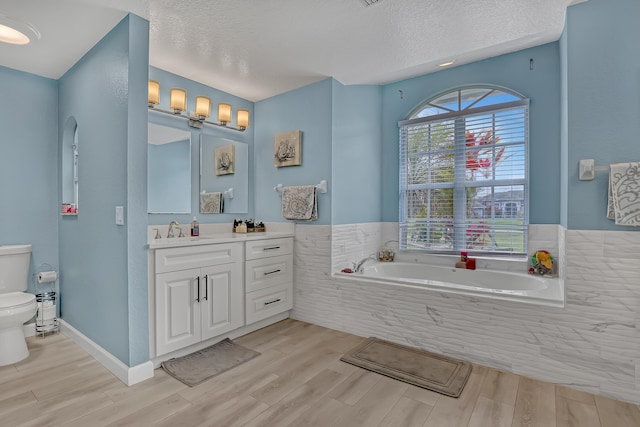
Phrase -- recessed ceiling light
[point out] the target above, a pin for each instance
(446, 64)
(13, 31)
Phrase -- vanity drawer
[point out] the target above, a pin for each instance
(256, 249)
(265, 272)
(175, 259)
(268, 302)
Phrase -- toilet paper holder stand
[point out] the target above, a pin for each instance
(47, 316)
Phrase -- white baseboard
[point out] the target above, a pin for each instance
(126, 374)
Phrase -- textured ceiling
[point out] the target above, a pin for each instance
(257, 49)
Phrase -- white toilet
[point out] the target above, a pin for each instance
(16, 306)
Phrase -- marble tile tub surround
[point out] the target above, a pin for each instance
(353, 242)
(591, 344)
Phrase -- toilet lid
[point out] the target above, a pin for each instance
(16, 299)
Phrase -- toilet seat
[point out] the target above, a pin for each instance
(16, 300)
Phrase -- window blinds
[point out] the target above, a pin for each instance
(464, 180)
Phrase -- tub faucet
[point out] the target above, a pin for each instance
(359, 264)
(170, 231)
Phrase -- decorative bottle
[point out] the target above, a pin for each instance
(195, 228)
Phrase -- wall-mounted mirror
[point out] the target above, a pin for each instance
(224, 175)
(168, 170)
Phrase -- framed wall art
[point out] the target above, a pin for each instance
(287, 149)
(225, 159)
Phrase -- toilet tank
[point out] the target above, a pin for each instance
(14, 267)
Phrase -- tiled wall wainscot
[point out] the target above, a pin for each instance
(353, 242)
(591, 344)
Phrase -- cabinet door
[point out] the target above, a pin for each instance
(177, 311)
(222, 301)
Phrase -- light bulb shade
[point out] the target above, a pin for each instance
(242, 118)
(154, 92)
(178, 99)
(224, 113)
(203, 107)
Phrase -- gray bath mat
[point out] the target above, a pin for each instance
(418, 367)
(197, 367)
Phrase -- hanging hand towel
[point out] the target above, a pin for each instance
(300, 203)
(211, 203)
(624, 193)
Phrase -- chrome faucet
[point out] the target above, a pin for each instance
(170, 231)
(359, 264)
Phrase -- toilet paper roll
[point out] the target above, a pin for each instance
(46, 312)
(47, 276)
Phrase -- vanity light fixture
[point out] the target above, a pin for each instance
(197, 119)
(242, 119)
(203, 107)
(446, 64)
(154, 93)
(224, 113)
(178, 100)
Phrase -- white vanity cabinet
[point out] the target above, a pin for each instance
(268, 278)
(198, 294)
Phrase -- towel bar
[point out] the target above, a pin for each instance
(588, 169)
(322, 187)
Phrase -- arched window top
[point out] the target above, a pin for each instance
(464, 100)
(463, 177)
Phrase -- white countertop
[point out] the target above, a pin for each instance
(211, 239)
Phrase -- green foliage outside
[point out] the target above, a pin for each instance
(431, 161)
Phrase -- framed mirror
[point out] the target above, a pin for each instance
(224, 175)
(168, 170)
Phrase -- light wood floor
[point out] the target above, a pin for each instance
(297, 381)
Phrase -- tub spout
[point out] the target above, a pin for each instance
(360, 264)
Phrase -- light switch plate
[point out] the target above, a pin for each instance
(119, 215)
(587, 170)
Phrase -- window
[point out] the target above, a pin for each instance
(464, 173)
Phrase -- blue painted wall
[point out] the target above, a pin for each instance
(603, 101)
(541, 85)
(357, 151)
(564, 127)
(308, 109)
(167, 81)
(136, 203)
(99, 261)
(28, 170)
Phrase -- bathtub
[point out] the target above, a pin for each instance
(493, 284)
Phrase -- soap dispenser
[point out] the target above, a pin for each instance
(195, 228)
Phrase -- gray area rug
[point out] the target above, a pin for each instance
(418, 367)
(197, 367)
